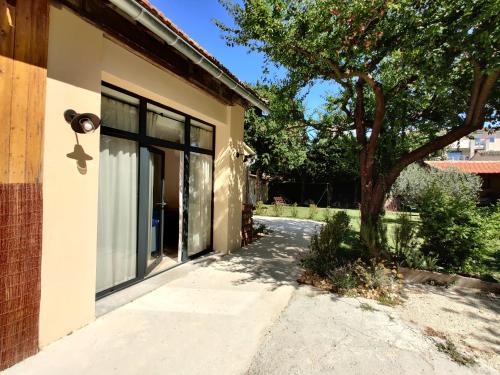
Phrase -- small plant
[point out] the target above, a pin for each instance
(260, 208)
(367, 307)
(260, 230)
(326, 250)
(327, 213)
(313, 210)
(388, 300)
(294, 211)
(449, 348)
(278, 209)
(342, 278)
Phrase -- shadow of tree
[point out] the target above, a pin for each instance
(274, 259)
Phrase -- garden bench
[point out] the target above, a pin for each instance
(279, 200)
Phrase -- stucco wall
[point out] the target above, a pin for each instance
(70, 190)
(79, 58)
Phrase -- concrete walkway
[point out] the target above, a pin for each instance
(208, 319)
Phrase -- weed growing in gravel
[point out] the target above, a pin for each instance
(450, 349)
(260, 230)
(387, 300)
(367, 307)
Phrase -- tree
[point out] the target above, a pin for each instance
(279, 150)
(413, 75)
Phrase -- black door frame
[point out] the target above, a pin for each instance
(145, 143)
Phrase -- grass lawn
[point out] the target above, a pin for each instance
(390, 218)
(320, 214)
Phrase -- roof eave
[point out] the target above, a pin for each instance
(141, 14)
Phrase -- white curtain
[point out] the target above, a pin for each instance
(169, 127)
(117, 212)
(200, 202)
(201, 135)
(119, 115)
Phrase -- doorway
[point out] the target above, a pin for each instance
(165, 190)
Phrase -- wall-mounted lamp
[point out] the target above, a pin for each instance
(249, 158)
(82, 123)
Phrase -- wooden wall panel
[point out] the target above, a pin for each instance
(7, 18)
(23, 62)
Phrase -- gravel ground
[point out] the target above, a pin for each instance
(321, 333)
(469, 318)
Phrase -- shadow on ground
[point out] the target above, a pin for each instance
(272, 259)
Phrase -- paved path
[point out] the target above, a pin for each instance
(243, 314)
(209, 319)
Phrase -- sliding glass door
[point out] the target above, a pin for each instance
(117, 212)
(200, 203)
(136, 133)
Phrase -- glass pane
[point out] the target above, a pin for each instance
(117, 212)
(164, 124)
(201, 135)
(200, 203)
(119, 111)
(155, 207)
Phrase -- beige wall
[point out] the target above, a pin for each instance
(79, 58)
(70, 190)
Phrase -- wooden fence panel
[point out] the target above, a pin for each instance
(23, 71)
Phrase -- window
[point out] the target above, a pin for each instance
(165, 124)
(119, 111)
(492, 139)
(201, 135)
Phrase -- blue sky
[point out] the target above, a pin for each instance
(195, 18)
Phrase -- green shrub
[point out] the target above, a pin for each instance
(489, 267)
(260, 208)
(313, 210)
(414, 181)
(407, 246)
(450, 221)
(278, 209)
(326, 250)
(294, 211)
(451, 229)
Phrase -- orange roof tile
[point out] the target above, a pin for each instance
(479, 167)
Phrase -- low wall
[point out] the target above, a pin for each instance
(423, 277)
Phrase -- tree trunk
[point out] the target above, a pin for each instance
(372, 231)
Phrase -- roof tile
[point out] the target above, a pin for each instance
(479, 167)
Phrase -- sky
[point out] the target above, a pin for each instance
(196, 18)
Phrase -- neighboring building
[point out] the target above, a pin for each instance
(467, 147)
(489, 171)
(159, 182)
